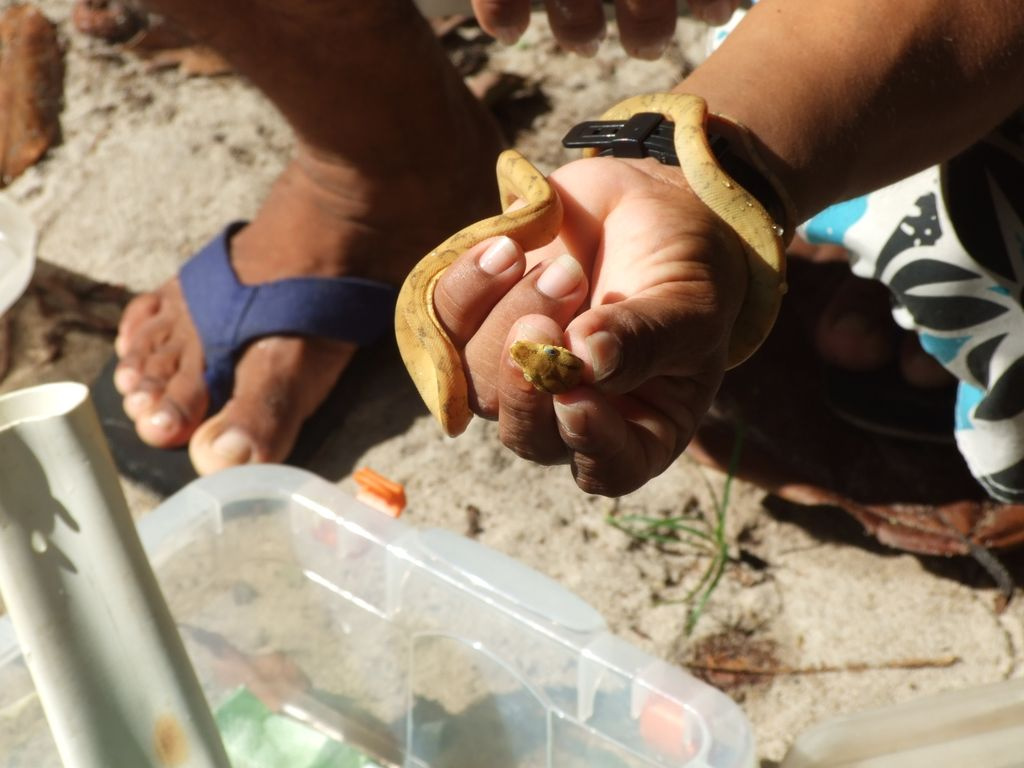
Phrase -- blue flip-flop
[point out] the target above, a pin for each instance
(228, 316)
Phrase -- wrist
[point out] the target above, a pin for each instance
(734, 148)
(637, 128)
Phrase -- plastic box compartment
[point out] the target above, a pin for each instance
(420, 647)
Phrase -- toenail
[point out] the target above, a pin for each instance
(163, 420)
(560, 278)
(233, 445)
(125, 379)
(137, 403)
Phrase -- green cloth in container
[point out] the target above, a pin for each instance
(255, 737)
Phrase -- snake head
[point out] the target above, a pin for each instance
(549, 368)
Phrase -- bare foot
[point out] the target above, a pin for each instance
(853, 327)
(324, 216)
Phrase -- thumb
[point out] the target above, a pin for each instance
(629, 342)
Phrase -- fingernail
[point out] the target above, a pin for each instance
(163, 420)
(508, 35)
(651, 51)
(587, 49)
(571, 417)
(233, 445)
(717, 12)
(560, 278)
(499, 256)
(605, 351)
(528, 332)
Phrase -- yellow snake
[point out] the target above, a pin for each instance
(434, 363)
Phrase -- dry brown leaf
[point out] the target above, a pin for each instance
(31, 89)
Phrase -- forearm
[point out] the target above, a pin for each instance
(848, 95)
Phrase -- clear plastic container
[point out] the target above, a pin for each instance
(17, 252)
(419, 647)
(980, 727)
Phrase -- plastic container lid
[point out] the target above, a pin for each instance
(17, 252)
(979, 727)
(420, 647)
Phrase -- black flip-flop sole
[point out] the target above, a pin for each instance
(882, 402)
(162, 470)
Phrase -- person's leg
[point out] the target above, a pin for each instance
(393, 154)
(850, 320)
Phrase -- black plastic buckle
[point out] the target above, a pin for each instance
(646, 134)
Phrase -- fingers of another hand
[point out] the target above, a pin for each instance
(646, 27)
(578, 25)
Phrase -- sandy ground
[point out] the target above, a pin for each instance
(153, 163)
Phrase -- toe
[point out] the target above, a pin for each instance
(140, 339)
(160, 372)
(279, 383)
(219, 443)
(855, 330)
(921, 369)
(170, 418)
(138, 311)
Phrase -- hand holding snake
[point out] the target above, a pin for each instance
(654, 331)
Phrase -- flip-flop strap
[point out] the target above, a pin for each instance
(229, 315)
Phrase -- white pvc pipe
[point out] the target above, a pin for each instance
(106, 658)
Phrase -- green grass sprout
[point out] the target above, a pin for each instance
(706, 535)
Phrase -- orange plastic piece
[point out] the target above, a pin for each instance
(663, 726)
(379, 492)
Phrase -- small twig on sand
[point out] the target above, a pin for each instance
(938, 662)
